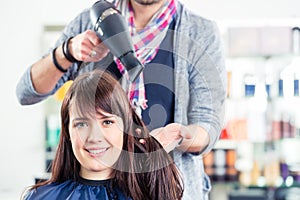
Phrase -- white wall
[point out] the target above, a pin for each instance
(245, 9)
(22, 127)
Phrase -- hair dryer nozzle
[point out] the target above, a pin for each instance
(133, 66)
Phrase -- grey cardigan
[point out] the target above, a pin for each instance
(200, 86)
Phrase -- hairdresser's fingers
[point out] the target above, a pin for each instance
(98, 50)
(156, 131)
(159, 135)
(171, 145)
(101, 51)
(87, 47)
(93, 38)
(168, 139)
(179, 130)
(81, 45)
(175, 131)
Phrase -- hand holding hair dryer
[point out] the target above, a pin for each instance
(111, 27)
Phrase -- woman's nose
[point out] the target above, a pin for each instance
(96, 134)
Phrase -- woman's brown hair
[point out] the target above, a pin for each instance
(144, 170)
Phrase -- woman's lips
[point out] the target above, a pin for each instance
(97, 152)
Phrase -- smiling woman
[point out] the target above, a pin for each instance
(105, 151)
(97, 143)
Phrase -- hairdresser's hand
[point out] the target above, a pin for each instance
(171, 135)
(87, 47)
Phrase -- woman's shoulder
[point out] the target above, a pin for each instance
(51, 191)
(72, 190)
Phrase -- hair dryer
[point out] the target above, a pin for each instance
(112, 29)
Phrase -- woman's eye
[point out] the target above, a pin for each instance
(80, 124)
(107, 122)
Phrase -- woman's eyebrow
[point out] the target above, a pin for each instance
(106, 116)
(80, 118)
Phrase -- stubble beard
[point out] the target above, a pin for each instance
(147, 2)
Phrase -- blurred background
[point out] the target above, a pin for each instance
(257, 156)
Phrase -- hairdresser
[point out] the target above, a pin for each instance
(180, 93)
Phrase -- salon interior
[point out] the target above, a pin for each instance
(257, 156)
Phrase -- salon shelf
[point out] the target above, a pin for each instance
(226, 144)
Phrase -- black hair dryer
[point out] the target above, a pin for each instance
(111, 27)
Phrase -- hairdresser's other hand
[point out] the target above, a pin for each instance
(171, 135)
(87, 47)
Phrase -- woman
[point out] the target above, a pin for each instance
(105, 151)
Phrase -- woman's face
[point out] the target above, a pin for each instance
(97, 143)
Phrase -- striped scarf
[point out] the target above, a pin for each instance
(146, 44)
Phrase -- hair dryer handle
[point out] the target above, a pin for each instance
(111, 27)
